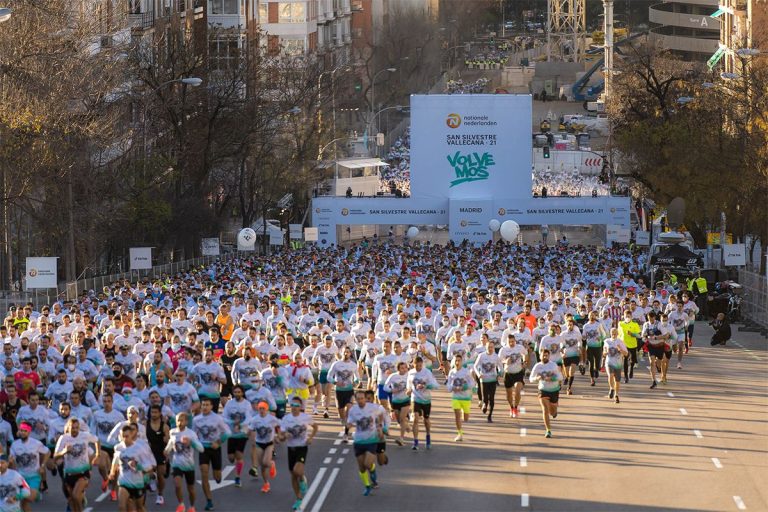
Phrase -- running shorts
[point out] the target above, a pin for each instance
(571, 360)
(383, 395)
(363, 448)
(211, 457)
(461, 405)
(381, 447)
(510, 379)
(422, 410)
(135, 493)
(656, 351)
(553, 396)
(189, 476)
(264, 446)
(396, 406)
(616, 372)
(236, 444)
(344, 397)
(296, 455)
(72, 479)
(33, 482)
(323, 377)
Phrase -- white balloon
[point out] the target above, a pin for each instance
(509, 230)
(494, 225)
(412, 232)
(246, 237)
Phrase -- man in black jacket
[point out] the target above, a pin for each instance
(722, 330)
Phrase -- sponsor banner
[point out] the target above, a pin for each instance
(468, 146)
(141, 258)
(276, 238)
(210, 246)
(714, 238)
(642, 237)
(565, 210)
(735, 255)
(295, 231)
(310, 234)
(41, 273)
(468, 220)
(616, 233)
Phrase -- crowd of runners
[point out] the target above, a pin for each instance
(141, 386)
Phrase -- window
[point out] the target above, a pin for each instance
(292, 12)
(225, 7)
(263, 16)
(225, 51)
(293, 46)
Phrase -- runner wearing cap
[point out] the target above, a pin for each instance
(28, 456)
(262, 428)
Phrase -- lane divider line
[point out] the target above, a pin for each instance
(327, 460)
(102, 497)
(670, 394)
(313, 487)
(683, 412)
(523, 432)
(345, 451)
(739, 503)
(340, 460)
(697, 433)
(717, 463)
(326, 489)
(522, 410)
(523, 462)
(332, 451)
(524, 500)
(337, 442)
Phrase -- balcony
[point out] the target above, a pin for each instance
(141, 21)
(684, 43)
(347, 38)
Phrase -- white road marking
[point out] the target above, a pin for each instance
(332, 451)
(523, 462)
(325, 491)
(683, 412)
(337, 442)
(523, 432)
(90, 509)
(524, 500)
(345, 451)
(697, 433)
(522, 410)
(215, 486)
(312, 488)
(340, 460)
(327, 460)
(737, 499)
(670, 395)
(341, 434)
(717, 463)
(102, 497)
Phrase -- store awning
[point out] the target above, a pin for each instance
(717, 13)
(360, 163)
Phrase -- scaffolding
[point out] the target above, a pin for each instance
(566, 30)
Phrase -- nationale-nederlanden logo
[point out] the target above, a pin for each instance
(453, 121)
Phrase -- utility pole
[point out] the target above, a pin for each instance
(608, 47)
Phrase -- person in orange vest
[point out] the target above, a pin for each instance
(527, 317)
(225, 322)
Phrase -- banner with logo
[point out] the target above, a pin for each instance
(295, 231)
(643, 238)
(473, 145)
(617, 233)
(735, 255)
(311, 235)
(41, 273)
(141, 258)
(275, 237)
(209, 246)
(468, 220)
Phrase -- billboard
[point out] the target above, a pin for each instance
(41, 273)
(735, 255)
(210, 246)
(468, 146)
(468, 220)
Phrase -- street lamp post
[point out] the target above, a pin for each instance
(373, 94)
(5, 15)
(333, 98)
(186, 81)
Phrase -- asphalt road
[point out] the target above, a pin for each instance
(698, 443)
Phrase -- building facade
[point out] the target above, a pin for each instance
(685, 27)
(743, 32)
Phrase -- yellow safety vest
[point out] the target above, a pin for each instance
(701, 284)
(672, 279)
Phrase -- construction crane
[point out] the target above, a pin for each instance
(566, 30)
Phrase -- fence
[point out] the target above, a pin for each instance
(98, 283)
(37, 297)
(755, 304)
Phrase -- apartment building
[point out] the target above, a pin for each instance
(743, 33)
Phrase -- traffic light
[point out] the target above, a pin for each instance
(546, 151)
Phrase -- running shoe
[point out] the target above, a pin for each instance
(686, 349)
(254, 472)
(399, 442)
(653, 385)
(180, 508)
(664, 380)
(429, 442)
(104, 484)
(610, 394)
(326, 415)
(296, 505)
(582, 369)
(514, 412)
(374, 479)
(548, 434)
(617, 400)
(272, 470)
(113, 495)
(415, 447)
(153, 485)
(191, 509)
(458, 438)
(160, 500)
(345, 439)
(626, 380)
(593, 383)
(485, 407)
(237, 482)
(569, 392)
(489, 419)
(632, 371)
(367, 491)
(44, 486)
(209, 505)
(303, 486)
(679, 366)
(265, 488)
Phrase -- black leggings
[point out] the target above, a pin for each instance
(594, 355)
(633, 356)
(489, 395)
